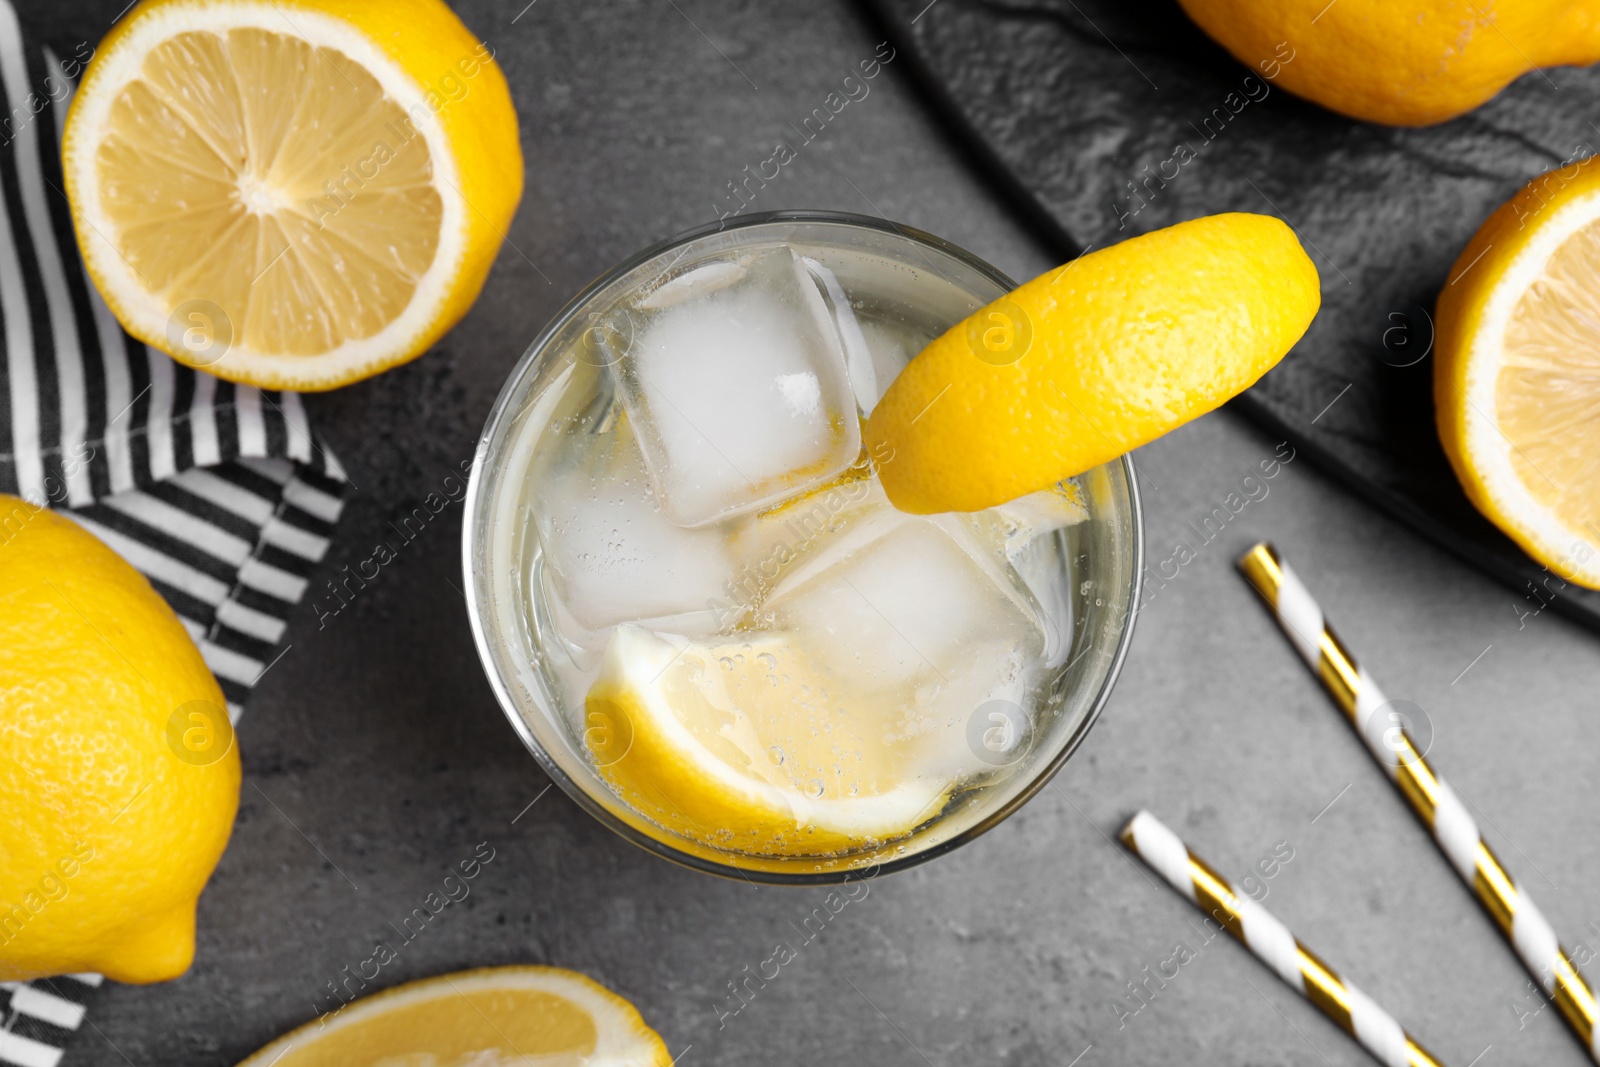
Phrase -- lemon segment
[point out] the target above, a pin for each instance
(1092, 360)
(1517, 371)
(496, 1015)
(746, 746)
(291, 195)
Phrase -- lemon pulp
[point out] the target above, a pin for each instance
(497, 1015)
(748, 746)
(460, 1028)
(1547, 390)
(204, 156)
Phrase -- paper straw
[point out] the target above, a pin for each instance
(1438, 806)
(1271, 942)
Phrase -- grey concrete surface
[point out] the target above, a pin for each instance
(376, 758)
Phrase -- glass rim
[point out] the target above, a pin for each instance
(508, 706)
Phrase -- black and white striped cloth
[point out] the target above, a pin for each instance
(42, 1017)
(217, 492)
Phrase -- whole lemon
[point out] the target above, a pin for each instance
(119, 778)
(1401, 64)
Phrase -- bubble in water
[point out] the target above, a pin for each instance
(814, 787)
(727, 664)
(777, 755)
(739, 658)
(1084, 587)
(768, 660)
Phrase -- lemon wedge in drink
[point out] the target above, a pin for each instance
(747, 746)
(294, 194)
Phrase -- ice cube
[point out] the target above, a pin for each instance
(690, 284)
(1036, 514)
(1024, 524)
(805, 533)
(737, 386)
(888, 353)
(908, 612)
(1047, 574)
(612, 556)
(857, 352)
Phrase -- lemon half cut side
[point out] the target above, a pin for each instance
(481, 1018)
(1517, 377)
(293, 195)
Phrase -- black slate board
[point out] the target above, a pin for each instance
(1100, 119)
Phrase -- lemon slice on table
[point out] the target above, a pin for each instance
(1517, 370)
(1090, 361)
(746, 746)
(496, 1015)
(294, 194)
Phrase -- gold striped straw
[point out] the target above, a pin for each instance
(1271, 942)
(1439, 807)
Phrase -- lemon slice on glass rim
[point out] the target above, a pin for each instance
(1087, 362)
(295, 194)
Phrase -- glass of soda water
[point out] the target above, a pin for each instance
(702, 614)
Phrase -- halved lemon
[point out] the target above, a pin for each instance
(295, 194)
(1517, 371)
(747, 746)
(496, 1015)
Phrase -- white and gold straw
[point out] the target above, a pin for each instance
(1439, 807)
(1271, 942)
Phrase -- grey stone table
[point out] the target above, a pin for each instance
(376, 758)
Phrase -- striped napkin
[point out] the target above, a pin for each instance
(218, 493)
